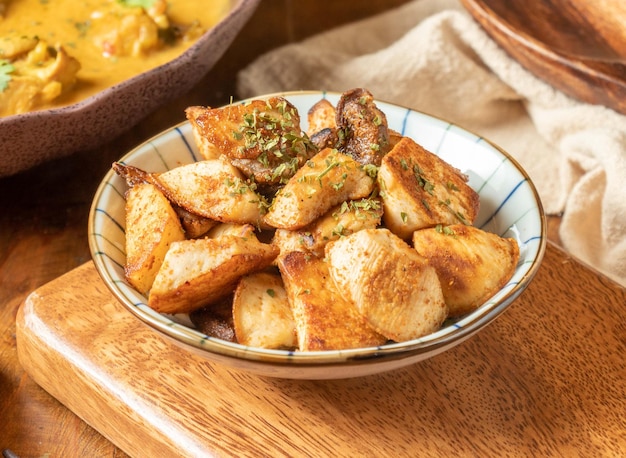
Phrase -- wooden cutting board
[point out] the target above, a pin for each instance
(525, 385)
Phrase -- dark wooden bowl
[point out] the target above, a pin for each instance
(577, 46)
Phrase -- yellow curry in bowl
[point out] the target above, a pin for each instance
(55, 53)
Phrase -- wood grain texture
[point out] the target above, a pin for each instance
(545, 379)
(577, 46)
(43, 221)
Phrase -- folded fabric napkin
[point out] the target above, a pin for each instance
(431, 56)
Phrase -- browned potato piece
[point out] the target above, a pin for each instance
(394, 138)
(344, 219)
(391, 285)
(213, 189)
(261, 312)
(199, 272)
(151, 227)
(133, 175)
(321, 116)
(322, 129)
(287, 241)
(324, 319)
(420, 190)
(472, 264)
(261, 138)
(207, 150)
(326, 180)
(240, 230)
(216, 320)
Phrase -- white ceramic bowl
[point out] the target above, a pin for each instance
(510, 206)
(32, 138)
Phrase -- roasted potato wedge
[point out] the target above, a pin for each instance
(326, 180)
(206, 148)
(391, 285)
(472, 264)
(421, 190)
(133, 175)
(239, 230)
(214, 189)
(344, 219)
(152, 226)
(322, 115)
(300, 240)
(261, 313)
(322, 129)
(324, 319)
(200, 272)
(262, 138)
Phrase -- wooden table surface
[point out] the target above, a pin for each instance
(43, 235)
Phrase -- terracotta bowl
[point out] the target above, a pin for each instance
(32, 138)
(510, 206)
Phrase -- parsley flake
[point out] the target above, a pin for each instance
(145, 4)
(6, 68)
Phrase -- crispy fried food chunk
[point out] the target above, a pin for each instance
(216, 320)
(472, 264)
(391, 285)
(214, 189)
(195, 115)
(344, 219)
(193, 224)
(200, 272)
(420, 190)
(239, 230)
(362, 127)
(133, 175)
(322, 115)
(326, 180)
(322, 129)
(261, 312)
(151, 227)
(261, 138)
(324, 319)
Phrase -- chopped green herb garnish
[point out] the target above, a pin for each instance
(445, 230)
(371, 170)
(82, 27)
(338, 231)
(6, 68)
(145, 4)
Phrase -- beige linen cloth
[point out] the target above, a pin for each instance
(431, 56)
